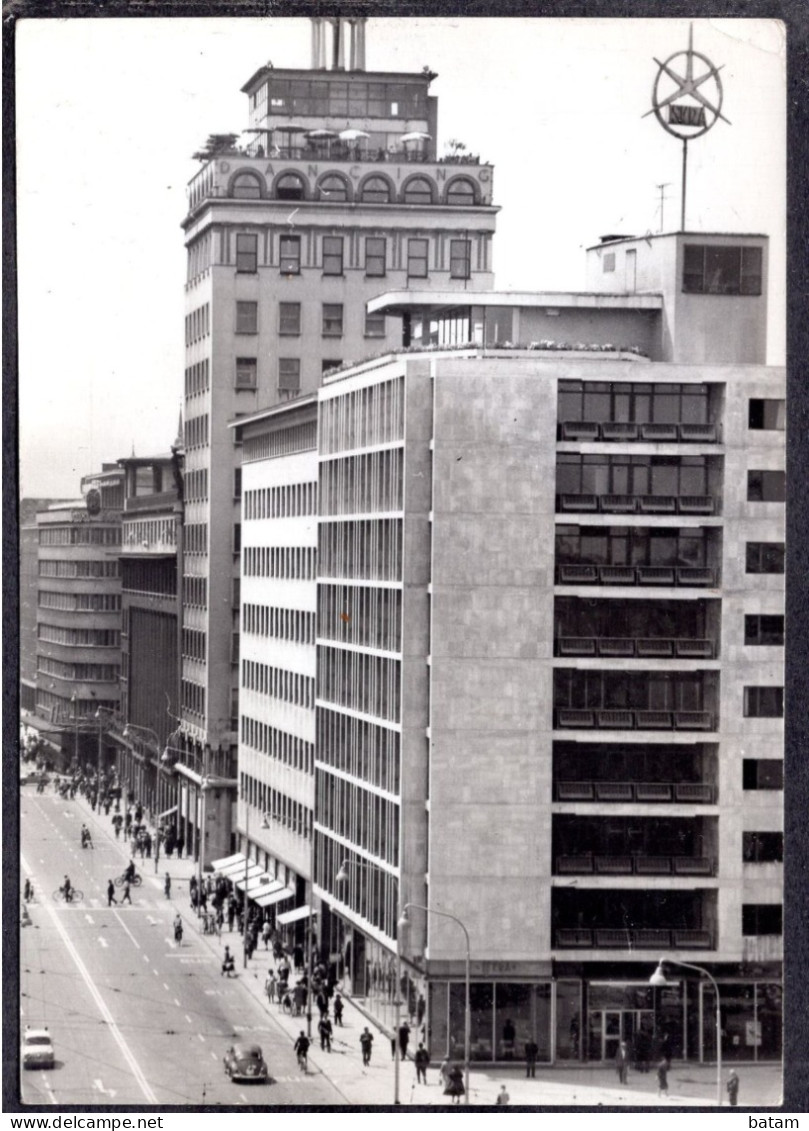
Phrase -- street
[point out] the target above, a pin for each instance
(134, 1017)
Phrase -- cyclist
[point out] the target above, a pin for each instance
(86, 838)
(302, 1048)
(130, 872)
(67, 889)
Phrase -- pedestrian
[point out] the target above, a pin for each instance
(531, 1054)
(622, 1062)
(338, 1010)
(266, 931)
(228, 965)
(663, 1078)
(733, 1088)
(286, 1004)
(443, 1073)
(148, 842)
(509, 1036)
(422, 1059)
(503, 1098)
(366, 1044)
(180, 846)
(167, 886)
(299, 997)
(269, 986)
(231, 915)
(325, 1030)
(322, 1003)
(421, 1008)
(455, 1087)
(126, 897)
(111, 894)
(393, 1048)
(297, 955)
(404, 1039)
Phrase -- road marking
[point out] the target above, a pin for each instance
(200, 1036)
(171, 943)
(111, 1092)
(188, 1019)
(165, 986)
(145, 957)
(103, 942)
(176, 1001)
(89, 918)
(141, 1080)
(213, 1054)
(155, 973)
(48, 1088)
(151, 921)
(123, 924)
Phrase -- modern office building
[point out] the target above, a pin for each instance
(29, 586)
(336, 194)
(149, 711)
(79, 614)
(278, 656)
(549, 690)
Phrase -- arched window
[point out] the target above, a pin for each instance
(375, 190)
(332, 188)
(289, 186)
(246, 186)
(461, 191)
(418, 190)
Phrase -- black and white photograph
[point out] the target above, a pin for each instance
(402, 415)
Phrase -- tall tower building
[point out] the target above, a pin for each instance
(335, 196)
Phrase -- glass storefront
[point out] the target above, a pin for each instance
(751, 1021)
(503, 1017)
(572, 1019)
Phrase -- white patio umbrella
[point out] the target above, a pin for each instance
(352, 135)
(415, 136)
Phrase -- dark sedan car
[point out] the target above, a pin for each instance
(246, 1062)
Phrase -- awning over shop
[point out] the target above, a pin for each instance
(226, 861)
(293, 916)
(258, 882)
(238, 873)
(167, 813)
(275, 897)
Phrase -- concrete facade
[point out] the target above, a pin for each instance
(287, 238)
(594, 796)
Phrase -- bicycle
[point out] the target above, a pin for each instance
(303, 1062)
(136, 880)
(75, 896)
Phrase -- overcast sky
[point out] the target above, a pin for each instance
(111, 110)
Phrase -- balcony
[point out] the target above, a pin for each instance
(636, 504)
(649, 938)
(587, 863)
(641, 793)
(661, 648)
(568, 718)
(667, 576)
(614, 431)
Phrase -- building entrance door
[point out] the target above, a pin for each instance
(616, 1025)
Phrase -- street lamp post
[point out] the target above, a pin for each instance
(659, 979)
(404, 922)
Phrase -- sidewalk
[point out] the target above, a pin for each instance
(690, 1085)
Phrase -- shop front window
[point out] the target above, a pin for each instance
(568, 1021)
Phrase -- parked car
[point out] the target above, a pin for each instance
(37, 1049)
(246, 1062)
